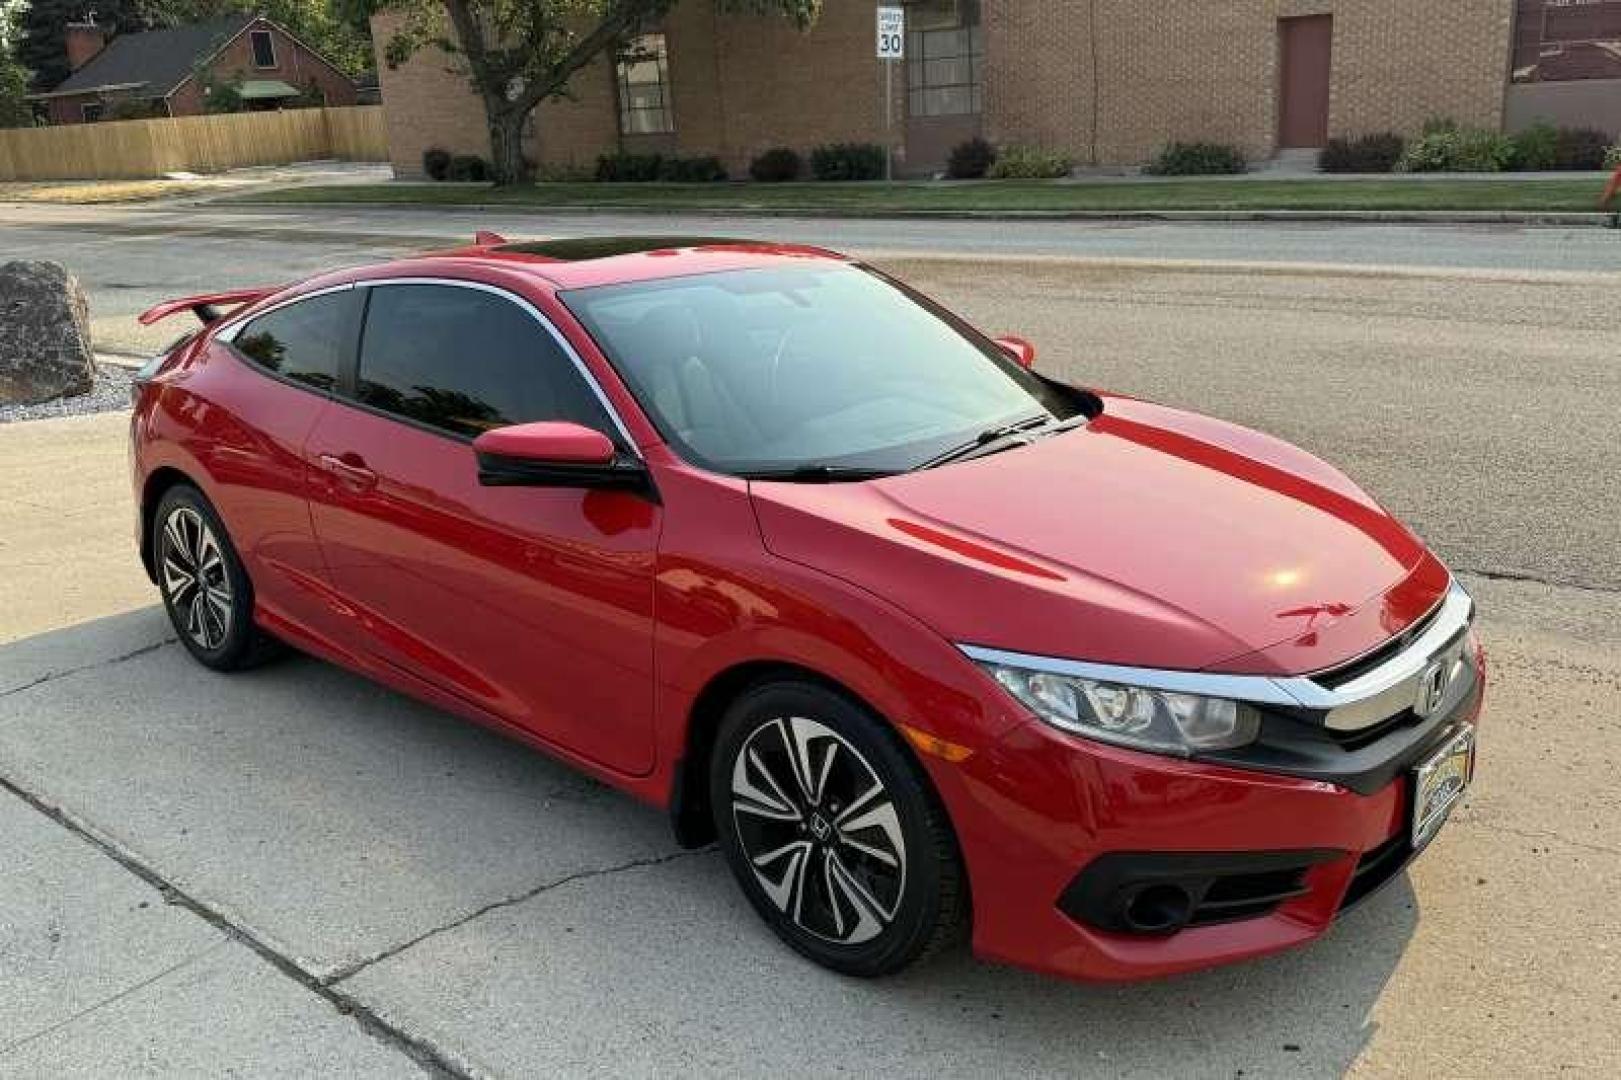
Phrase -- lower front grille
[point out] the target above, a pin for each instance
(1244, 896)
(1376, 868)
(1159, 893)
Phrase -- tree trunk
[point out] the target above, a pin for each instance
(506, 147)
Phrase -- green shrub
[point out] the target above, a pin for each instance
(1198, 159)
(1439, 125)
(1029, 163)
(1537, 147)
(625, 168)
(134, 109)
(971, 160)
(311, 97)
(1459, 150)
(777, 165)
(435, 162)
(468, 169)
(1367, 154)
(1580, 148)
(848, 161)
(1612, 157)
(561, 172)
(629, 168)
(691, 170)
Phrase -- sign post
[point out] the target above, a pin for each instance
(891, 51)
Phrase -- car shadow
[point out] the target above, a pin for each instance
(342, 823)
(1307, 1011)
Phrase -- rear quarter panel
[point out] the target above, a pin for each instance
(237, 434)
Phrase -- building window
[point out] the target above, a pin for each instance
(945, 58)
(90, 111)
(644, 87)
(264, 48)
(1566, 40)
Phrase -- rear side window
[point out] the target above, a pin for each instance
(303, 341)
(465, 361)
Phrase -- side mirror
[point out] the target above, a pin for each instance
(555, 454)
(1023, 353)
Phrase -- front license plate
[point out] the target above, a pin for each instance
(1439, 783)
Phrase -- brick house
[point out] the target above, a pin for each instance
(1105, 81)
(158, 69)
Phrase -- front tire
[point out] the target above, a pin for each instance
(205, 588)
(833, 831)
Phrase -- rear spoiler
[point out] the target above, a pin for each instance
(206, 307)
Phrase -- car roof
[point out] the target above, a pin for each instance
(584, 262)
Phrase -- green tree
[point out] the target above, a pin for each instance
(15, 110)
(520, 53)
(10, 12)
(219, 95)
(41, 44)
(327, 26)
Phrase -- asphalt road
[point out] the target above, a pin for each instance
(294, 871)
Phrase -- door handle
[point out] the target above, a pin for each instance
(350, 470)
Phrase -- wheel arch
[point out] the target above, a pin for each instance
(690, 813)
(158, 483)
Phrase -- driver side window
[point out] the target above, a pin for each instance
(464, 361)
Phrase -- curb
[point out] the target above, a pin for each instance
(1543, 219)
(121, 359)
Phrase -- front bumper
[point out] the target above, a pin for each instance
(1040, 807)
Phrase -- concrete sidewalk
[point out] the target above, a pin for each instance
(296, 872)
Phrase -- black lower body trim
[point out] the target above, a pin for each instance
(1378, 868)
(1159, 893)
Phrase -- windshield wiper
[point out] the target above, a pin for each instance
(992, 440)
(818, 474)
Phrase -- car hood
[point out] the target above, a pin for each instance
(1151, 537)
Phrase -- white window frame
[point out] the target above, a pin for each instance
(253, 49)
(660, 57)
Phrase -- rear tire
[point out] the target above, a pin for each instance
(205, 588)
(833, 831)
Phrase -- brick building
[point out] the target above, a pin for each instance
(156, 71)
(1106, 81)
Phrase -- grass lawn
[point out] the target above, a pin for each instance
(876, 198)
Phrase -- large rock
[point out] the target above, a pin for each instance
(44, 334)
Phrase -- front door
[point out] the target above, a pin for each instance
(534, 604)
(1307, 46)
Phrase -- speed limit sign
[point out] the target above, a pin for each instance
(891, 33)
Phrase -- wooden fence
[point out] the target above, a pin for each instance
(139, 149)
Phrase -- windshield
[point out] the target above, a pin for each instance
(829, 366)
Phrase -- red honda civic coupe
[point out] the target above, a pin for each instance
(929, 642)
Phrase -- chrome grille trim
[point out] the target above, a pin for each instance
(1371, 698)
(1377, 695)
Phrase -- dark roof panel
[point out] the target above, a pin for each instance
(160, 59)
(580, 249)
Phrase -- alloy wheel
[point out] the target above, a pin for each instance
(195, 578)
(819, 830)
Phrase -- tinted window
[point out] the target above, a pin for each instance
(822, 364)
(302, 341)
(467, 361)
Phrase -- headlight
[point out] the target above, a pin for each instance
(1157, 720)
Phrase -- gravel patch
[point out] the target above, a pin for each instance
(110, 394)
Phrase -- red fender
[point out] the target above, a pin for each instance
(1611, 190)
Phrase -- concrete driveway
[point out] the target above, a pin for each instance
(293, 871)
